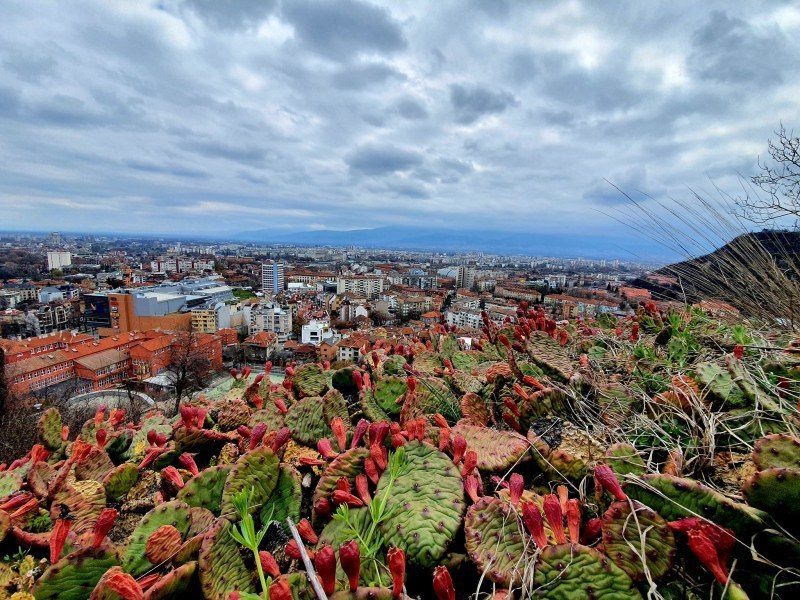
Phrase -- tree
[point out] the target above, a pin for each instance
(779, 178)
(189, 368)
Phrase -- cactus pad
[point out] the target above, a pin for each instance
(285, 499)
(776, 491)
(549, 356)
(95, 465)
(431, 396)
(205, 489)
(9, 483)
(348, 464)
(84, 500)
(306, 420)
(269, 415)
(221, 567)
(49, 429)
(777, 450)
(310, 380)
(74, 576)
(494, 540)
(624, 459)
(570, 571)
(425, 512)
(386, 393)
(173, 584)
(497, 450)
(623, 533)
(120, 480)
(174, 513)
(258, 469)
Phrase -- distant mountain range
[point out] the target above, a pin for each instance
(578, 244)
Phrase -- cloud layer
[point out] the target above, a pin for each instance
(209, 117)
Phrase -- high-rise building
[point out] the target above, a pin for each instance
(58, 260)
(272, 277)
(465, 278)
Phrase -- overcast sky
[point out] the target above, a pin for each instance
(209, 116)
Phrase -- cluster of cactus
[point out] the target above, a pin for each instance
(423, 457)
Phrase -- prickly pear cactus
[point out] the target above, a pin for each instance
(424, 512)
(675, 497)
(232, 414)
(370, 407)
(258, 469)
(463, 361)
(173, 584)
(719, 387)
(205, 489)
(576, 452)
(776, 491)
(310, 380)
(348, 464)
(497, 450)
(9, 483)
(494, 540)
(427, 362)
(777, 450)
(222, 569)
(628, 534)
(285, 499)
(269, 415)
(49, 429)
(570, 571)
(386, 393)
(306, 420)
(431, 396)
(95, 465)
(83, 500)
(174, 513)
(157, 422)
(474, 409)
(75, 576)
(120, 480)
(549, 356)
(624, 459)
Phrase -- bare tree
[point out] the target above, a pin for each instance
(190, 368)
(779, 178)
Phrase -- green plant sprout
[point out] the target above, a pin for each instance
(244, 532)
(370, 540)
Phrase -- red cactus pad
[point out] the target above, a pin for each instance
(325, 564)
(125, 585)
(162, 544)
(350, 557)
(443, 584)
(396, 559)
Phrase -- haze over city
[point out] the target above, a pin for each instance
(210, 118)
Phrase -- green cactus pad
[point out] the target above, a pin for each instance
(427, 362)
(310, 380)
(675, 497)
(393, 365)
(719, 387)
(495, 542)
(777, 492)
(258, 469)
(342, 380)
(571, 571)
(497, 450)
(120, 480)
(463, 361)
(424, 512)
(269, 415)
(348, 464)
(467, 383)
(306, 420)
(623, 532)
(386, 393)
(9, 483)
(84, 500)
(205, 488)
(431, 396)
(175, 513)
(95, 465)
(49, 429)
(188, 439)
(221, 567)
(549, 356)
(173, 584)
(285, 499)
(624, 459)
(370, 407)
(777, 450)
(118, 444)
(157, 422)
(75, 575)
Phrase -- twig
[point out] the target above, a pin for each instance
(312, 575)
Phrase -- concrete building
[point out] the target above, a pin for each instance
(315, 332)
(367, 286)
(50, 294)
(273, 279)
(58, 260)
(465, 277)
(270, 316)
(210, 320)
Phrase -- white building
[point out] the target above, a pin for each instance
(58, 260)
(314, 332)
(366, 286)
(273, 279)
(269, 316)
(465, 277)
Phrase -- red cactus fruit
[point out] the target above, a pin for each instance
(362, 488)
(343, 483)
(470, 462)
(372, 471)
(257, 434)
(307, 532)
(325, 565)
(58, 537)
(706, 552)
(516, 485)
(258, 402)
(280, 590)
(105, 521)
(269, 564)
(323, 508)
(738, 351)
(101, 436)
(125, 585)
(552, 511)
(293, 550)
(310, 462)
(337, 425)
(574, 520)
(396, 560)
(282, 437)
(532, 518)
(511, 405)
(342, 497)
(244, 431)
(592, 531)
(563, 497)
(444, 439)
(459, 448)
(605, 479)
(281, 405)
(325, 448)
(471, 487)
(358, 380)
(443, 584)
(412, 384)
(64, 433)
(350, 557)
(358, 433)
(172, 475)
(188, 463)
(379, 454)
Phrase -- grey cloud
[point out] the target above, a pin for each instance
(341, 29)
(729, 49)
(365, 75)
(470, 103)
(232, 14)
(9, 102)
(375, 159)
(167, 168)
(215, 149)
(408, 108)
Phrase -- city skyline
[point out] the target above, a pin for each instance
(182, 117)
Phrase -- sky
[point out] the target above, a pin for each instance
(212, 117)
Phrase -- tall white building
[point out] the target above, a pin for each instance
(465, 278)
(58, 260)
(273, 280)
